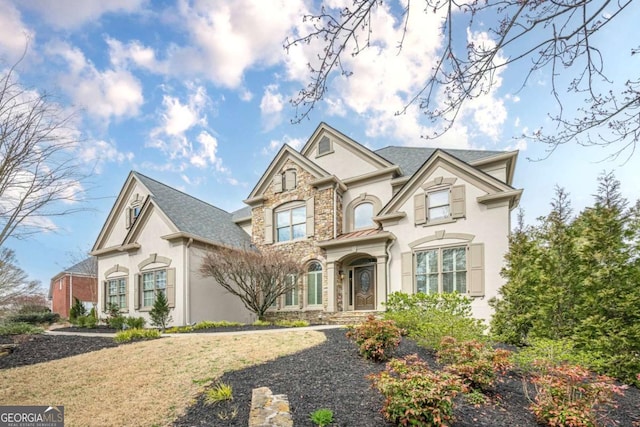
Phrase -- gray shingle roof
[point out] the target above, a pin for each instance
(411, 158)
(87, 266)
(194, 216)
(241, 213)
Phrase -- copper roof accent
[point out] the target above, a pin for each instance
(359, 233)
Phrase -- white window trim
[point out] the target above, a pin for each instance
(155, 287)
(368, 226)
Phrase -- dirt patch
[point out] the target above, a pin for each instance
(145, 383)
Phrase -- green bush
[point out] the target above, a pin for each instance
(321, 417)
(376, 339)
(35, 318)
(429, 318)
(207, 324)
(415, 395)
(552, 352)
(19, 328)
(116, 322)
(34, 308)
(136, 335)
(572, 396)
(292, 323)
(261, 323)
(475, 362)
(219, 392)
(135, 322)
(160, 313)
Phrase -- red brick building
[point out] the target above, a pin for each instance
(78, 281)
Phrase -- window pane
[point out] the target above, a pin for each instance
(421, 284)
(299, 215)
(148, 298)
(299, 231)
(432, 283)
(311, 285)
(439, 198)
(448, 282)
(421, 263)
(315, 266)
(147, 281)
(123, 301)
(461, 282)
(123, 286)
(282, 218)
(438, 212)
(454, 259)
(362, 215)
(284, 234)
(161, 279)
(113, 288)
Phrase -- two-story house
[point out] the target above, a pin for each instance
(364, 223)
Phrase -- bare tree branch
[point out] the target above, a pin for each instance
(258, 279)
(14, 283)
(39, 176)
(543, 35)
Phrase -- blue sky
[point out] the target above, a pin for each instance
(196, 94)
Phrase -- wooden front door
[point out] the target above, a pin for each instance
(364, 288)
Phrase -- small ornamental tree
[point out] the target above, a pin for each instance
(160, 312)
(257, 278)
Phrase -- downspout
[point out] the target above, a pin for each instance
(335, 210)
(70, 292)
(186, 284)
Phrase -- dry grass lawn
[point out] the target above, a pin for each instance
(143, 384)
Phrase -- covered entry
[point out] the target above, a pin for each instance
(357, 263)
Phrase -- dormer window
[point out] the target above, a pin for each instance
(438, 205)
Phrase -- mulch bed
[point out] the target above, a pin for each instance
(331, 375)
(34, 349)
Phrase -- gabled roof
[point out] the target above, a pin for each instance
(488, 183)
(193, 216)
(370, 156)
(411, 158)
(286, 153)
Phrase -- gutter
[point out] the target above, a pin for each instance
(186, 284)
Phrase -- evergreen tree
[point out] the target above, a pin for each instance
(77, 310)
(160, 312)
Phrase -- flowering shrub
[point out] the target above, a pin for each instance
(415, 395)
(376, 339)
(571, 395)
(474, 361)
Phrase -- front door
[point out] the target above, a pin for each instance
(364, 286)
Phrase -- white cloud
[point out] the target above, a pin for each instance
(105, 94)
(70, 14)
(14, 35)
(101, 152)
(207, 153)
(122, 55)
(271, 107)
(274, 144)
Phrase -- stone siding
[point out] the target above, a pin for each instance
(306, 249)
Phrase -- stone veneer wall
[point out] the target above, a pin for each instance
(303, 249)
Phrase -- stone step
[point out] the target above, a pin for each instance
(268, 409)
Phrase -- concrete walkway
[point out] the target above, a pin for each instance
(217, 334)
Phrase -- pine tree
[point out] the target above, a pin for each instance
(160, 312)
(77, 310)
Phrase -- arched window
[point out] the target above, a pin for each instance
(362, 215)
(314, 284)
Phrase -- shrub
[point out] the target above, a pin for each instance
(219, 392)
(35, 318)
(321, 417)
(135, 322)
(415, 395)
(19, 328)
(376, 339)
(136, 335)
(34, 308)
(160, 312)
(429, 318)
(77, 310)
(261, 323)
(116, 322)
(207, 324)
(552, 352)
(570, 396)
(292, 323)
(475, 362)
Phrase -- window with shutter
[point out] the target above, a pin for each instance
(448, 269)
